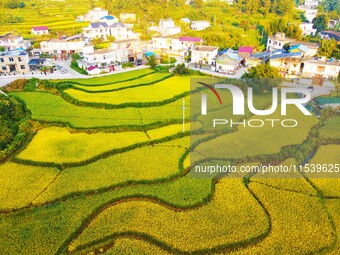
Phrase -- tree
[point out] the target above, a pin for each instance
(152, 62)
(76, 56)
(11, 112)
(320, 22)
(91, 4)
(329, 48)
(286, 47)
(2, 49)
(111, 38)
(96, 41)
(263, 71)
(181, 69)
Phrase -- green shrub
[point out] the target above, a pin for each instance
(181, 69)
(74, 65)
(128, 64)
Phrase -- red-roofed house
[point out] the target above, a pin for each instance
(245, 51)
(42, 30)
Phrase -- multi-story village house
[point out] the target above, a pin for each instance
(14, 42)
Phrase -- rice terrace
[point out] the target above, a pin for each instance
(178, 127)
(98, 178)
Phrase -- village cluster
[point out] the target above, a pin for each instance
(19, 57)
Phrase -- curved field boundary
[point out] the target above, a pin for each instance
(121, 88)
(122, 127)
(223, 247)
(101, 155)
(74, 101)
(102, 84)
(182, 172)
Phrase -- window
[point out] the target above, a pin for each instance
(2, 60)
(11, 59)
(321, 69)
(270, 41)
(20, 59)
(23, 67)
(4, 68)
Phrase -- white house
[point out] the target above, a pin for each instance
(277, 42)
(94, 15)
(333, 24)
(103, 30)
(309, 13)
(287, 63)
(14, 61)
(61, 48)
(204, 54)
(102, 59)
(14, 42)
(41, 30)
(321, 67)
(166, 27)
(228, 62)
(198, 25)
(311, 4)
(127, 50)
(175, 43)
(307, 29)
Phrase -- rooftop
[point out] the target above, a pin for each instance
(328, 100)
(331, 34)
(206, 48)
(248, 49)
(189, 39)
(13, 53)
(101, 51)
(9, 36)
(286, 55)
(200, 21)
(330, 62)
(126, 41)
(109, 17)
(40, 28)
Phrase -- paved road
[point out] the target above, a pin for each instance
(237, 75)
(71, 74)
(326, 89)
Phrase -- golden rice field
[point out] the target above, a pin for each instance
(145, 80)
(157, 92)
(248, 141)
(59, 16)
(59, 145)
(232, 216)
(149, 163)
(329, 155)
(21, 184)
(118, 181)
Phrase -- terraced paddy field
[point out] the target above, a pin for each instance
(96, 180)
(59, 16)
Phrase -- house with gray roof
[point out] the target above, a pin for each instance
(104, 29)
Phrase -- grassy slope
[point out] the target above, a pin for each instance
(49, 107)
